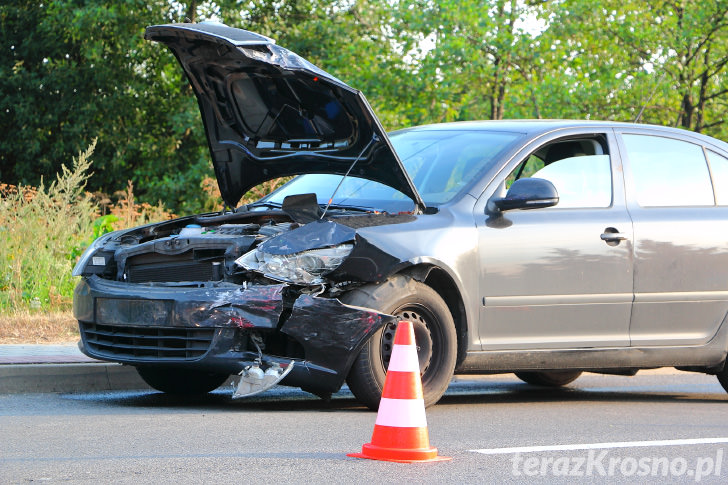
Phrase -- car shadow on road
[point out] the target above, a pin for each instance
(221, 400)
(518, 393)
(283, 399)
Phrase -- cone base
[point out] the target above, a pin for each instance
(373, 452)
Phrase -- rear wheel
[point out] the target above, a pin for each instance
(435, 338)
(723, 377)
(183, 382)
(550, 378)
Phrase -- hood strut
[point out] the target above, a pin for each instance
(375, 138)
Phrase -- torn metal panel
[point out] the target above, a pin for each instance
(151, 323)
(314, 235)
(303, 208)
(254, 307)
(224, 305)
(366, 263)
(331, 332)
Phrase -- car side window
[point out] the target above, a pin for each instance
(532, 164)
(668, 172)
(584, 181)
(579, 169)
(719, 172)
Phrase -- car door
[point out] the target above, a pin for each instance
(559, 277)
(680, 237)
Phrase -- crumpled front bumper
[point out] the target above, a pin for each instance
(209, 328)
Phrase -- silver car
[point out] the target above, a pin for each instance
(544, 248)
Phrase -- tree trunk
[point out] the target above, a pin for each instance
(687, 109)
(191, 12)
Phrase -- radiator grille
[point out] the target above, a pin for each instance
(175, 272)
(193, 265)
(121, 341)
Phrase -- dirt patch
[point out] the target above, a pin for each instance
(38, 328)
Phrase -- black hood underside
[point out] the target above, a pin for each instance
(269, 113)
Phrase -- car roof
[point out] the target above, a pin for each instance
(538, 127)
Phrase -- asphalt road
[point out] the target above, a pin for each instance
(289, 436)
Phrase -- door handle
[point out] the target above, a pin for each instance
(612, 236)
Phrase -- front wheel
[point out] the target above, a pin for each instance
(549, 379)
(183, 382)
(435, 337)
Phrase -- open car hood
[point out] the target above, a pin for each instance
(269, 113)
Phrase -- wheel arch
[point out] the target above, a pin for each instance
(445, 285)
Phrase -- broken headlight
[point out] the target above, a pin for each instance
(304, 268)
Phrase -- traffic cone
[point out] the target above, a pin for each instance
(400, 432)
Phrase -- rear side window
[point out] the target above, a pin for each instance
(719, 170)
(668, 172)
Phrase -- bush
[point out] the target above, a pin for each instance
(39, 229)
(44, 230)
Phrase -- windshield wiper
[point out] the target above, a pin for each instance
(238, 212)
(355, 208)
(270, 205)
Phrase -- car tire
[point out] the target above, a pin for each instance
(549, 379)
(435, 337)
(723, 377)
(181, 382)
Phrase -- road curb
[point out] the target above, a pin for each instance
(30, 378)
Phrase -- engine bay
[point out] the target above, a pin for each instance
(184, 251)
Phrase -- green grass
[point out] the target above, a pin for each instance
(40, 231)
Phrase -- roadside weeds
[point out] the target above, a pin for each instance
(25, 327)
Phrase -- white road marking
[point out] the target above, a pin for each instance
(598, 446)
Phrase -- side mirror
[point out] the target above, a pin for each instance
(528, 193)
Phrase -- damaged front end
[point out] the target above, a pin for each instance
(181, 295)
(253, 291)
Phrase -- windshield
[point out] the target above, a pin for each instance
(440, 164)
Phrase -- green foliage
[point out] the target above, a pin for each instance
(618, 57)
(73, 67)
(480, 55)
(100, 226)
(39, 229)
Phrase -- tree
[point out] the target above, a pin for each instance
(73, 70)
(470, 55)
(668, 57)
(78, 69)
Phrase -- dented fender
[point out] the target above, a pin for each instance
(330, 330)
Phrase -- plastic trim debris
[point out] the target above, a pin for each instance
(254, 380)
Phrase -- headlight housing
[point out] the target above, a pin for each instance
(89, 252)
(303, 268)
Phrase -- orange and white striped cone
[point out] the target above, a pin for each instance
(400, 432)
